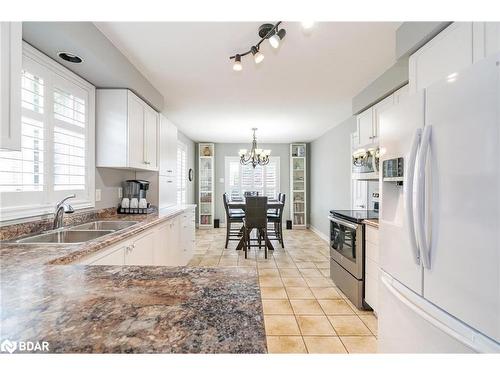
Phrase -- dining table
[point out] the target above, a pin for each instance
(240, 204)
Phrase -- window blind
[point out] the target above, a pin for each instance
(23, 171)
(56, 157)
(240, 178)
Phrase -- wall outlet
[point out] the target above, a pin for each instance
(120, 192)
(97, 195)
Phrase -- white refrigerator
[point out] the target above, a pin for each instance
(440, 226)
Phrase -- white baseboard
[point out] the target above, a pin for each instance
(320, 234)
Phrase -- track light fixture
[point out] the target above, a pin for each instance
(266, 31)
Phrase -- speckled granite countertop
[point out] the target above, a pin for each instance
(131, 309)
(371, 222)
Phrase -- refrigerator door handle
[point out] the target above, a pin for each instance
(408, 193)
(420, 197)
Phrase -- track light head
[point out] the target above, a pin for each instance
(274, 40)
(237, 63)
(257, 55)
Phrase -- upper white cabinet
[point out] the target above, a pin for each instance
(126, 131)
(168, 147)
(368, 123)
(455, 48)
(486, 39)
(167, 163)
(400, 93)
(365, 127)
(377, 110)
(10, 85)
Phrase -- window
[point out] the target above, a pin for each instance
(240, 178)
(182, 173)
(57, 149)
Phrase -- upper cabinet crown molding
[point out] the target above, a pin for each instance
(10, 84)
(126, 131)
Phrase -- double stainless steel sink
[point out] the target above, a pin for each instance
(78, 233)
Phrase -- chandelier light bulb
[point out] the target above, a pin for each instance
(237, 63)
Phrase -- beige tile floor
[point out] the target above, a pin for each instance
(304, 312)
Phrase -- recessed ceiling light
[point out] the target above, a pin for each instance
(70, 57)
(307, 24)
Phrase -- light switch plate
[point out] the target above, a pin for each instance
(97, 195)
(120, 192)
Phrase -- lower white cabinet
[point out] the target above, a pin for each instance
(170, 243)
(371, 266)
(141, 252)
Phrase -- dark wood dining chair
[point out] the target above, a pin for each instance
(276, 218)
(255, 218)
(232, 216)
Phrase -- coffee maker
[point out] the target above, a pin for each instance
(135, 189)
(134, 197)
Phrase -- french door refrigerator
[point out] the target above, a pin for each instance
(440, 217)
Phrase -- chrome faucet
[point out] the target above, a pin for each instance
(61, 209)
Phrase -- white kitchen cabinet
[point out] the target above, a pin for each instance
(167, 163)
(126, 131)
(115, 257)
(372, 268)
(486, 39)
(141, 251)
(365, 127)
(443, 56)
(10, 85)
(400, 93)
(170, 243)
(377, 110)
(151, 138)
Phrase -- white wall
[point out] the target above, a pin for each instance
(330, 174)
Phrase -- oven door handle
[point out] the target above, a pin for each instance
(343, 222)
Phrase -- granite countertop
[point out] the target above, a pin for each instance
(371, 222)
(129, 309)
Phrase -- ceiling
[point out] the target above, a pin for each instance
(297, 93)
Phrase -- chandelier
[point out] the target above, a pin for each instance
(256, 156)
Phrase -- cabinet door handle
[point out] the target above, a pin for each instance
(147, 162)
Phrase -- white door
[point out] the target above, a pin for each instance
(141, 251)
(135, 132)
(398, 251)
(150, 138)
(464, 198)
(174, 245)
(365, 127)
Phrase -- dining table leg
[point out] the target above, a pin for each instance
(242, 241)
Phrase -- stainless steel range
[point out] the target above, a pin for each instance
(347, 252)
